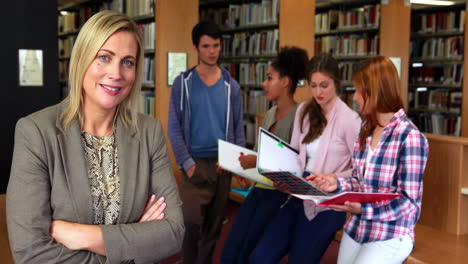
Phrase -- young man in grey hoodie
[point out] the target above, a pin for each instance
(205, 105)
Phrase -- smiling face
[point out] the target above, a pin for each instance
(208, 50)
(323, 88)
(110, 76)
(274, 85)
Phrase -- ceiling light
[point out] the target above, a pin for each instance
(432, 2)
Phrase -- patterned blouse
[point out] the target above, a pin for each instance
(103, 172)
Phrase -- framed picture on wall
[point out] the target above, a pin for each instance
(30, 67)
(176, 63)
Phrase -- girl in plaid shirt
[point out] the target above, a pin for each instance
(389, 157)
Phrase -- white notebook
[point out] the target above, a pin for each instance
(228, 159)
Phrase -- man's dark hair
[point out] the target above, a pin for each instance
(205, 28)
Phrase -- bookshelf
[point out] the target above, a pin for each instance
(290, 14)
(349, 30)
(171, 37)
(436, 71)
(357, 30)
(445, 199)
(250, 42)
(72, 16)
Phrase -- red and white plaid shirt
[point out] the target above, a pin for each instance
(397, 167)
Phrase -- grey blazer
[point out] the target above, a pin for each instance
(49, 181)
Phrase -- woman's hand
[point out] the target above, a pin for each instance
(76, 236)
(153, 210)
(354, 208)
(326, 182)
(248, 161)
(67, 234)
(243, 182)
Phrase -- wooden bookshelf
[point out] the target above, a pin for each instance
(91, 7)
(334, 34)
(348, 31)
(256, 27)
(436, 85)
(291, 14)
(445, 205)
(248, 58)
(436, 34)
(433, 26)
(439, 60)
(249, 29)
(74, 5)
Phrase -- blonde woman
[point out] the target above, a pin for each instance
(91, 181)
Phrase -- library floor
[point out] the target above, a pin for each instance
(329, 257)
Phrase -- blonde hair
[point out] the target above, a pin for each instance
(91, 38)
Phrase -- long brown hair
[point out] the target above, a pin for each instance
(377, 81)
(326, 64)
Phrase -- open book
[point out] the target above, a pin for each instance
(278, 161)
(341, 198)
(228, 159)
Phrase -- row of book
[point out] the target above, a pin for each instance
(437, 123)
(347, 97)
(70, 21)
(453, 21)
(147, 103)
(254, 101)
(442, 74)
(63, 70)
(148, 70)
(250, 44)
(246, 14)
(149, 32)
(346, 70)
(367, 16)
(451, 47)
(135, 8)
(248, 73)
(435, 100)
(250, 132)
(349, 45)
(65, 46)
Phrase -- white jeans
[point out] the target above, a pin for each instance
(391, 251)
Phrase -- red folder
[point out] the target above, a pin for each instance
(341, 198)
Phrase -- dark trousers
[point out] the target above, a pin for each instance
(252, 219)
(290, 232)
(204, 198)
